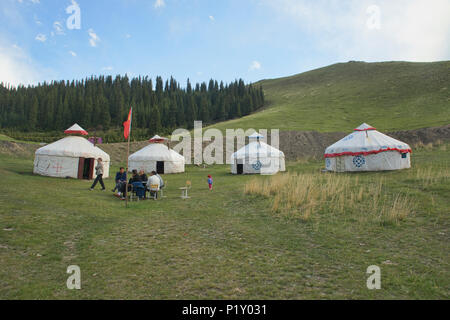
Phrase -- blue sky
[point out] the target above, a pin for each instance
(220, 39)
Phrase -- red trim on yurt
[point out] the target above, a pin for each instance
(365, 153)
(82, 132)
(157, 140)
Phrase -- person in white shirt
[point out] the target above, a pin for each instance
(161, 181)
(153, 180)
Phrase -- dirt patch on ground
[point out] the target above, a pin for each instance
(294, 144)
(18, 149)
(425, 135)
(117, 151)
(300, 144)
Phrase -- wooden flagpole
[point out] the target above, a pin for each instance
(126, 187)
(128, 155)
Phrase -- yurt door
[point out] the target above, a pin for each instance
(86, 168)
(90, 168)
(239, 168)
(160, 167)
(340, 164)
(80, 168)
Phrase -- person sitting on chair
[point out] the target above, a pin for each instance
(153, 181)
(143, 176)
(161, 181)
(135, 178)
(144, 179)
(121, 178)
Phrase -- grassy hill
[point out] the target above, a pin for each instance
(387, 95)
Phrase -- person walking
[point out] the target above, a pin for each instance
(99, 173)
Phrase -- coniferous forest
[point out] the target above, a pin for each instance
(102, 104)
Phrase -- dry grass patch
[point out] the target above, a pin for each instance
(306, 196)
(427, 175)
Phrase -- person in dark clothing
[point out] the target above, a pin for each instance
(121, 178)
(143, 177)
(99, 173)
(134, 178)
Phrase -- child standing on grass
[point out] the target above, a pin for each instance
(210, 182)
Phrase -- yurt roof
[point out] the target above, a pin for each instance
(76, 129)
(157, 139)
(73, 146)
(364, 127)
(257, 149)
(365, 140)
(256, 135)
(156, 152)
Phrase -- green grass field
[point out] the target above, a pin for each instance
(388, 95)
(5, 138)
(220, 244)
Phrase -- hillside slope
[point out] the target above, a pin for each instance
(388, 95)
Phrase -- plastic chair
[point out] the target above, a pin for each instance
(161, 190)
(184, 190)
(154, 188)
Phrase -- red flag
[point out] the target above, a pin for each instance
(127, 125)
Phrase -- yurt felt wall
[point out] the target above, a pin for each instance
(366, 149)
(257, 158)
(62, 158)
(154, 157)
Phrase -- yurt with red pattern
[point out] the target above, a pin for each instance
(367, 149)
(71, 157)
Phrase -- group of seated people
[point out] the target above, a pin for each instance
(153, 184)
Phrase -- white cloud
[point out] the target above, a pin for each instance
(35, 1)
(59, 29)
(108, 68)
(128, 36)
(159, 4)
(16, 66)
(413, 30)
(211, 18)
(41, 37)
(93, 38)
(255, 65)
(73, 53)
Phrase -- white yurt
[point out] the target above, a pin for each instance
(157, 156)
(366, 149)
(72, 156)
(257, 158)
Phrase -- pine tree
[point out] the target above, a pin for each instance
(32, 117)
(154, 124)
